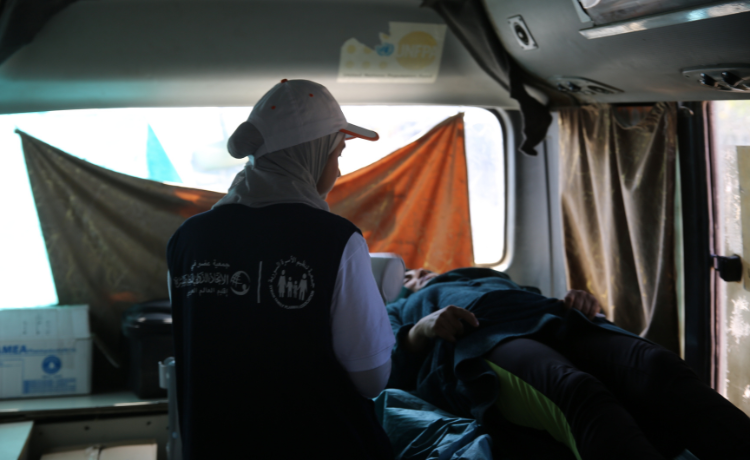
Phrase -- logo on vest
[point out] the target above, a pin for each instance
(292, 285)
(240, 283)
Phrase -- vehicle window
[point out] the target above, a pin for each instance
(187, 146)
(400, 125)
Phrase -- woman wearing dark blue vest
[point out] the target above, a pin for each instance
(281, 336)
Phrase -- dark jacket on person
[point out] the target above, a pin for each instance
(455, 377)
(257, 376)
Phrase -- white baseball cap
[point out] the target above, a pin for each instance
(292, 112)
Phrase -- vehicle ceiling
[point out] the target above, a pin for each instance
(646, 65)
(148, 53)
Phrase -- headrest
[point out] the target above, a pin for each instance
(389, 270)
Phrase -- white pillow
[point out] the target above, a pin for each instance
(389, 270)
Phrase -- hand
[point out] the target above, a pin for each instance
(583, 301)
(446, 323)
(414, 280)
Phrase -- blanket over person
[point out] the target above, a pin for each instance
(455, 376)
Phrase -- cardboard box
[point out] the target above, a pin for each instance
(45, 351)
(121, 451)
(14, 440)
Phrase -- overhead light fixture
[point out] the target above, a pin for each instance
(615, 17)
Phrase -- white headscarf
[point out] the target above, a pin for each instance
(286, 176)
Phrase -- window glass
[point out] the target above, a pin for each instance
(400, 125)
(188, 146)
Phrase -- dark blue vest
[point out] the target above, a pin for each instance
(257, 375)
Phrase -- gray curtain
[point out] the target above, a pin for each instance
(106, 233)
(617, 184)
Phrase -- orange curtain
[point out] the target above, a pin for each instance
(415, 201)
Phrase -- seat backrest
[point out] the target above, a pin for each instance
(389, 270)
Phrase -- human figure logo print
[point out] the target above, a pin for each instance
(292, 284)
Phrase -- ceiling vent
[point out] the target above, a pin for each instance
(579, 86)
(730, 78)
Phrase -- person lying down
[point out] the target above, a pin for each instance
(472, 341)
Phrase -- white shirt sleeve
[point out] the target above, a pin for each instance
(371, 383)
(362, 334)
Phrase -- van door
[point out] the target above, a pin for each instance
(730, 157)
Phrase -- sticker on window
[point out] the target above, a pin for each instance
(410, 53)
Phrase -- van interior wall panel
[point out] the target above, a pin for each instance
(557, 252)
(142, 53)
(531, 254)
(20, 20)
(696, 240)
(646, 65)
(472, 26)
